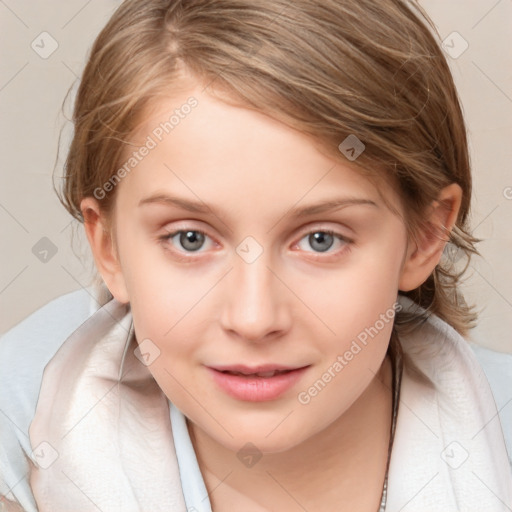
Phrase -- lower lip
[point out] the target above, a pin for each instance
(257, 389)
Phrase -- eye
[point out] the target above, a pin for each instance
(191, 240)
(323, 240)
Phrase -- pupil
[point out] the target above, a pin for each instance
(320, 238)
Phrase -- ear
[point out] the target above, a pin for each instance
(102, 246)
(424, 253)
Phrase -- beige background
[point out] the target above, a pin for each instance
(32, 89)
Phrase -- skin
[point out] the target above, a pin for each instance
(294, 305)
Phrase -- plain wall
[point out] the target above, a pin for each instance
(40, 257)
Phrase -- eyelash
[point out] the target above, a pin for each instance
(179, 254)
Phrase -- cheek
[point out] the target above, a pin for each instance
(162, 293)
(362, 321)
(351, 298)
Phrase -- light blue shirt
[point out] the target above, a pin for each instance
(27, 348)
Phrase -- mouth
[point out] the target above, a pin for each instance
(264, 371)
(256, 384)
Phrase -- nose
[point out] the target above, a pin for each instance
(254, 307)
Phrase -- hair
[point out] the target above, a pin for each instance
(329, 69)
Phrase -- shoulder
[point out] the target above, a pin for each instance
(437, 348)
(25, 350)
(497, 367)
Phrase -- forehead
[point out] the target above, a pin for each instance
(203, 148)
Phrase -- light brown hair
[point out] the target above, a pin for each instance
(328, 68)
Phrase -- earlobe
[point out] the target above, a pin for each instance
(105, 257)
(424, 253)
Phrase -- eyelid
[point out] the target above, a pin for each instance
(311, 228)
(318, 226)
(184, 226)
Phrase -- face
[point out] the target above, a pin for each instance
(229, 267)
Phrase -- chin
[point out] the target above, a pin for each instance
(275, 442)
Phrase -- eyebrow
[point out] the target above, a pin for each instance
(303, 211)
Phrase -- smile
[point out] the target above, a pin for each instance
(259, 386)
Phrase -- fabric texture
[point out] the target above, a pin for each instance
(114, 441)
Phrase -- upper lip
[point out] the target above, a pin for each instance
(248, 370)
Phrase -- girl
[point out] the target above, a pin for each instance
(268, 189)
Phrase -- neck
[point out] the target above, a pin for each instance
(345, 468)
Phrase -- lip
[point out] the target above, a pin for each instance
(242, 368)
(250, 387)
